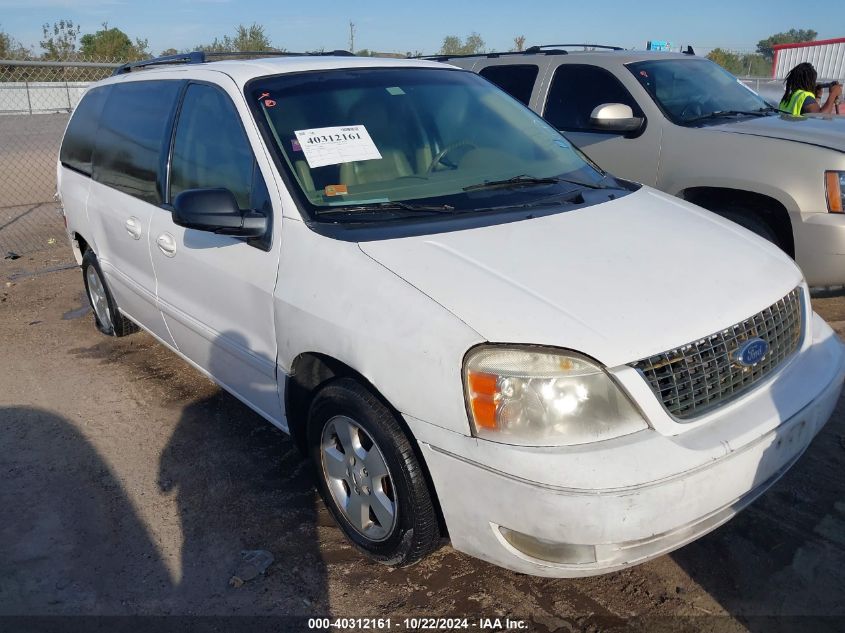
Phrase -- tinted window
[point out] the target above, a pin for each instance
(211, 148)
(78, 144)
(575, 92)
(517, 80)
(133, 130)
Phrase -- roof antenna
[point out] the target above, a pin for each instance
(689, 50)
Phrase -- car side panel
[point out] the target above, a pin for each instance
(124, 255)
(216, 291)
(73, 190)
(333, 299)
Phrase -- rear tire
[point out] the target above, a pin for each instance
(750, 221)
(108, 319)
(369, 476)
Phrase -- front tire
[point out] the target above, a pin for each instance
(369, 476)
(750, 221)
(107, 317)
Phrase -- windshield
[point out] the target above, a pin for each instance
(379, 141)
(692, 89)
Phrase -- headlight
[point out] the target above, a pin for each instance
(834, 182)
(544, 397)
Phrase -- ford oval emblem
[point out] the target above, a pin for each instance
(751, 352)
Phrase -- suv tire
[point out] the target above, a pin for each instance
(751, 221)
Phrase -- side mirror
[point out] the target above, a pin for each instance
(615, 117)
(217, 211)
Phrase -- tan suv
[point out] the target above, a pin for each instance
(684, 125)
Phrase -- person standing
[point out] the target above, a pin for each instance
(799, 97)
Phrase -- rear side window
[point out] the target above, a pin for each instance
(211, 148)
(575, 92)
(517, 80)
(81, 134)
(134, 127)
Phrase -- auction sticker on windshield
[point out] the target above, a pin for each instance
(333, 145)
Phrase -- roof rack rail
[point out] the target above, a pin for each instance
(491, 55)
(540, 49)
(196, 57)
(202, 57)
(548, 49)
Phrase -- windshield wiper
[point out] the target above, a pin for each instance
(528, 181)
(390, 206)
(723, 113)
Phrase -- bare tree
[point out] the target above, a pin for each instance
(59, 41)
(519, 43)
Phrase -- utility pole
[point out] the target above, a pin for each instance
(351, 36)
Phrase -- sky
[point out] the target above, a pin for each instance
(421, 26)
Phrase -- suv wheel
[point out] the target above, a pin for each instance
(750, 221)
(107, 317)
(369, 476)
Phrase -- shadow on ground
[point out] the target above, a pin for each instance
(72, 541)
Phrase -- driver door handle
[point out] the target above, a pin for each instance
(166, 244)
(133, 227)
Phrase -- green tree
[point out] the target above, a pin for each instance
(364, 52)
(748, 65)
(764, 47)
(727, 60)
(454, 45)
(169, 51)
(756, 65)
(112, 43)
(59, 41)
(11, 48)
(245, 38)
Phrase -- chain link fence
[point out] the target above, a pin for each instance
(36, 99)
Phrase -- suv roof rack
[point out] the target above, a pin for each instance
(561, 47)
(546, 49)
(202, 57)
(492, 54)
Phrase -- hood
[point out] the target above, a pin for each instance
(822, 130)
(618, 281)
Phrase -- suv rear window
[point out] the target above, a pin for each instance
(78, 144)
(517, 79)
(575, 92)
(134, 127)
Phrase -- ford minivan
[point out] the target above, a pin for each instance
(471, 329)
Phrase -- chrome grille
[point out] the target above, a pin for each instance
(699, 376)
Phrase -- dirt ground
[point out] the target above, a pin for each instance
(131, 485)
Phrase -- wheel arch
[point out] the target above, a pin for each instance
(79, 245)
(311, 370)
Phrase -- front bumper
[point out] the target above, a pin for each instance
(627, 518)
(820, 247)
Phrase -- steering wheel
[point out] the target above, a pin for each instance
(442, 153)
(697, 103)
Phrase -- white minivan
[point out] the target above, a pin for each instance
(472, 329)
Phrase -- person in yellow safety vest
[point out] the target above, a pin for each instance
(799, 97)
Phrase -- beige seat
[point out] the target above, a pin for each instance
(394, 161)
